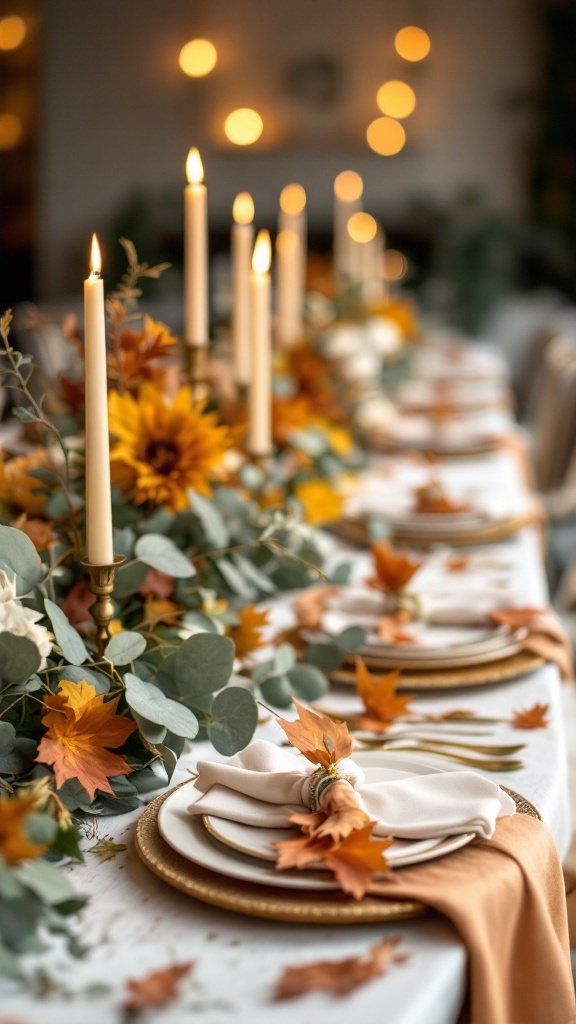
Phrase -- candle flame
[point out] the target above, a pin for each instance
(95, 257)
(243, 208)
(194, 167)
(348, 186)
(262, 256)
(292, 199)
(362, 227)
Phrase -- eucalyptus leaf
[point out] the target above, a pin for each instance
(19, 658)
(129, 578)
(378, 528)
(235, 579)
(351, 639)
(7, 738)
(45, 881)
(149, 702)
(9, 963)
(162, 554)
(203, 663)
(68, 639)
(308, 682)
(124, 541)
(80, 674)
(19, 558)
(284, 659)
(211, 520)
(125, 647)
(341, 574)
(254, 575)
(41, 828)
(200, 621)
(150, 730)
(234, 719)
(21, 757)
(327, 656)
(276, 691)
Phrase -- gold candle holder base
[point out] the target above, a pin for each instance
(262, 461)
(196, 357)
(101, 585)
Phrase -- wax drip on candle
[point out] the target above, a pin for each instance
(262, 257)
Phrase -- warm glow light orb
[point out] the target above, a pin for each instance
(412, 43)
(12, 32)
(198, 58)
(362, 227)
(386, 136)
(10, 131)
(243, 208)
(397, 99)
(292, 199)
(262, 255)
(394, 265)
(287, 241)
(243, 127)
(348, 186)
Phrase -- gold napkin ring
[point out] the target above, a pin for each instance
(319, 782)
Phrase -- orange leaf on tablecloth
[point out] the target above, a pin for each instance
(248, 635)
(531, 718)
(321, 740)
(394, 567)
(458, 563)
(157, 988)
(80, 729)
(310, 605)
(378, 694)
(340, 977)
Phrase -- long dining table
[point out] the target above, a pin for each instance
(135, 922)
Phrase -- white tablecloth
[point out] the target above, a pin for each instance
(136, 923)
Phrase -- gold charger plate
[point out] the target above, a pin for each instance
(390, 446)
(266, 901)
(447, 679)
(354, 532)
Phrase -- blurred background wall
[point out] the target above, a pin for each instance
(110, 117)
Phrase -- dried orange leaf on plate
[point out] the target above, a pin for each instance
(378, 694)
(341, 977)
(390, 631)
(310, 605)
(354, 860)
(320, 739)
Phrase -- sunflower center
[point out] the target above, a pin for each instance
(162, 456)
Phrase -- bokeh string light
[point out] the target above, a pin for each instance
(243, 127)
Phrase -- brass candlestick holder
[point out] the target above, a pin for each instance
(196, 357)
(101, 585)
(261, 460)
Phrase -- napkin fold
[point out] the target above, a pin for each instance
(506, 899)
(264, 785)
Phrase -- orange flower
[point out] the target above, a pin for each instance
(80, 729)
(17, 486)
(164, 450)
(394, 567)
(14, 843)
(322, 504)
(289, 415)
(135, 357)
(247, 636)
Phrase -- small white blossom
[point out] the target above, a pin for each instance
(20, 621)
(7, 587)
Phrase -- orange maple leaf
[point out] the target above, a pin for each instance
(15, 846)
(379, 697)
(531, 718)
(458, 563)
(356, 858)
(321, 740)
(80, 728)
(158, 988)
(248, 635)
(394, 567)
(340, 977)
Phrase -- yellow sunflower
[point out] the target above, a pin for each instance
(164, 449)
(322, 504)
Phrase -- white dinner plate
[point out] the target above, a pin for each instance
(188, 835)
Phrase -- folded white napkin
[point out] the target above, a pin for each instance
(264, 784)
(464, 605)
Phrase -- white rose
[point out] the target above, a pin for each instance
(20, 621)
(347, 340)
(383, 335)
(375, 414)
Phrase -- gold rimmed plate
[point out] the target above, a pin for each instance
(429, 678)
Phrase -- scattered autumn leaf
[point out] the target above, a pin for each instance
(248, 635)
(458, 563)
(310, 605)
(157, 584)
(14, 843)
(340, 977)
(546, 636)
(394, 567)
(320, 739)
(390, 631)
(379, 697)
(531, 718)
(158, 988)
(80, 729)
(432, 499)
(106, 849)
